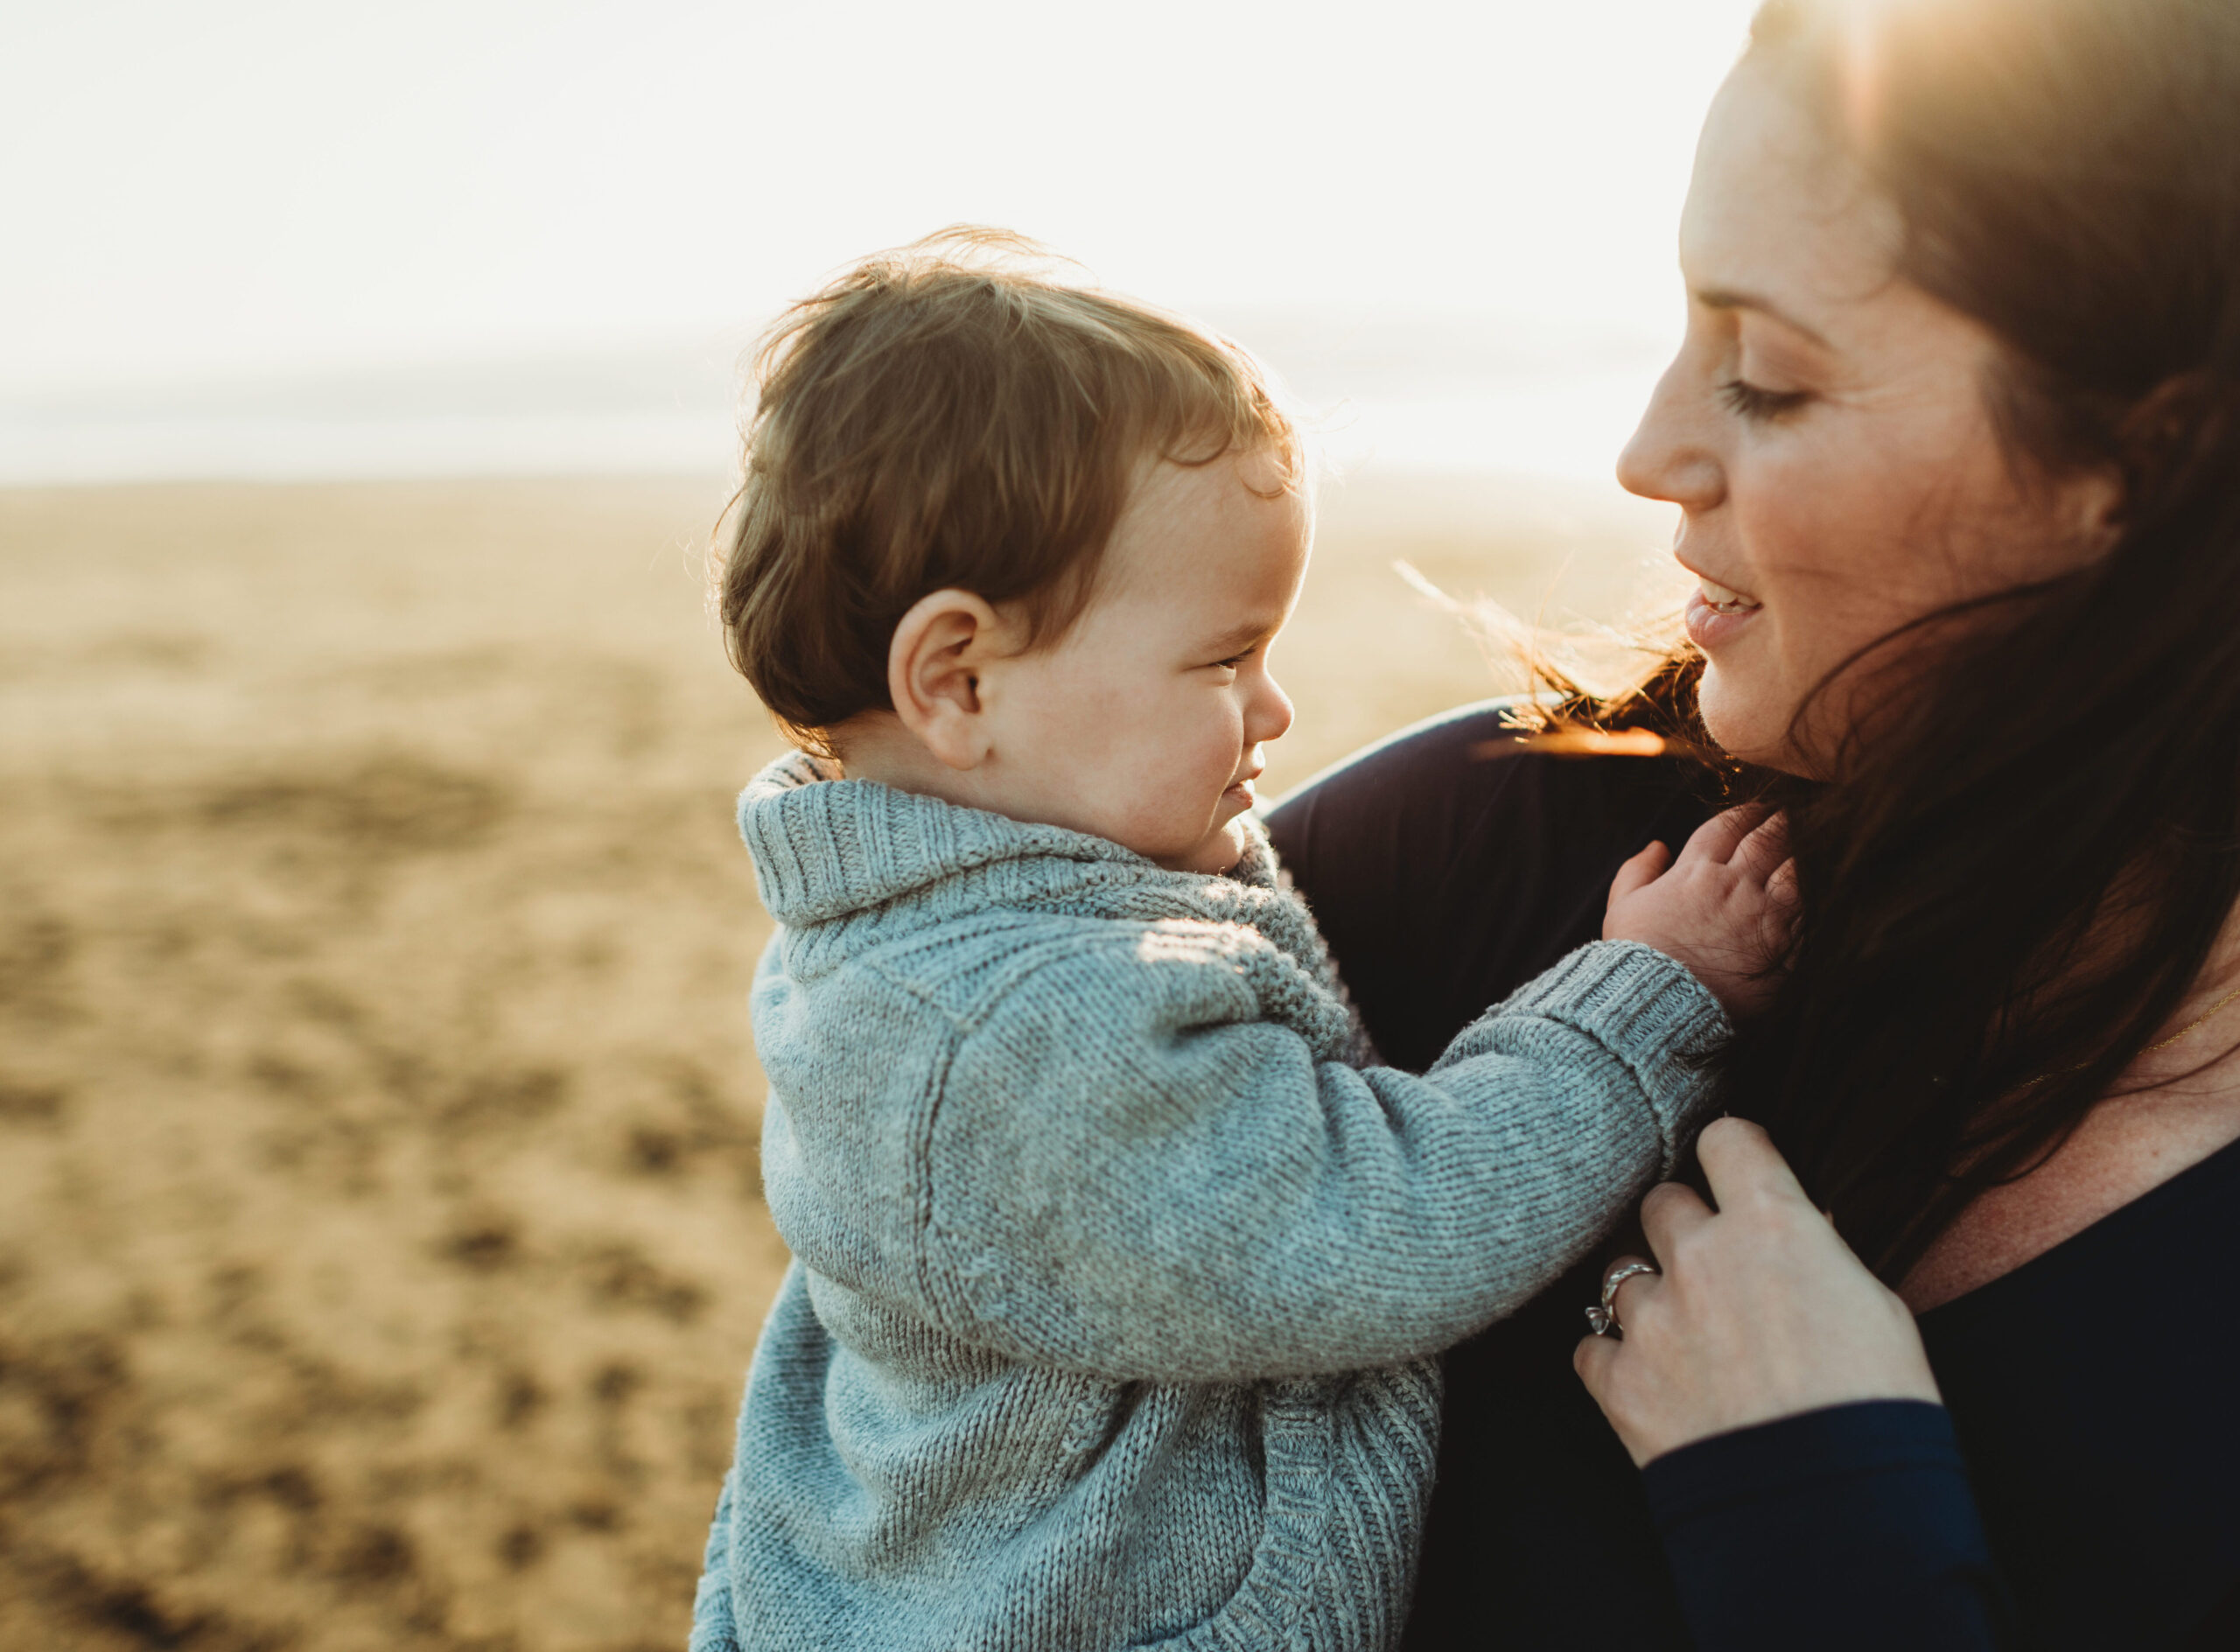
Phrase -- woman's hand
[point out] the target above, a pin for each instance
(1760, 1311)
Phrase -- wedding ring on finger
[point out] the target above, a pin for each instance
(1603, 1320)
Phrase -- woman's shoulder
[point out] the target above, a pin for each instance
(1468, 790)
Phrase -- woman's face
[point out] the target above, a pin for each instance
(1826, 432)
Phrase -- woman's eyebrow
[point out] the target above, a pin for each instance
(1728, 298)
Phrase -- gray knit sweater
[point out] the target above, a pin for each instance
(1116, 1287)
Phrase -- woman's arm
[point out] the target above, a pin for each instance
(1798, 1459)
(1845, 1529)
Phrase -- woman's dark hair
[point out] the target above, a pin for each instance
(2014, 879)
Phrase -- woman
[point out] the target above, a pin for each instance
(1955, 438)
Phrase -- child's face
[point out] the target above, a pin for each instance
(1143, 723)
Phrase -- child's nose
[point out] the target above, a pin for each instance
(1272, 712)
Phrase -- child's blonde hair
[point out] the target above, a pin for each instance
(952, 413)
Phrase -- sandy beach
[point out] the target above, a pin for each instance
(380, 1238)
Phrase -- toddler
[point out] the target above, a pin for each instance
(1119, 1274)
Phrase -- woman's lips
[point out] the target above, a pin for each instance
(1717, 615)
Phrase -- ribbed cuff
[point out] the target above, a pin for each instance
(1648, 1012)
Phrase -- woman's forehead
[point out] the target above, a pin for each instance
(1778, 217)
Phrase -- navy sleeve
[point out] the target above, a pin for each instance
(1852, 1527)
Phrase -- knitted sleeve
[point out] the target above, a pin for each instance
(1132, 1173)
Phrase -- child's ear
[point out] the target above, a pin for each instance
(933, 672)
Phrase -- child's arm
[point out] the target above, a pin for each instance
(1131, 1172)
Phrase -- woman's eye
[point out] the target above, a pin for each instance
(1750, 402)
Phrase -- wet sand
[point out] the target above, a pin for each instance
(380, 1237)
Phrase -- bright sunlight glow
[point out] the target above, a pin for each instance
(267, 236)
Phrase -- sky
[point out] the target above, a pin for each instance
(232, 224)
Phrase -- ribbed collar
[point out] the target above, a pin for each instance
(826, 850)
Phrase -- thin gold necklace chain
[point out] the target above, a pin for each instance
(2194, 1025)
(2182, 1033)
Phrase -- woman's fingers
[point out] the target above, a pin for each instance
(1718, 837)
(1634, 1287)
(1592, 1358)
(1763, 1311)
(1671, 1210)
(1642, 870)
(1741, 1162)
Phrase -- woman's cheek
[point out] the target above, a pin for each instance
(1803, 567)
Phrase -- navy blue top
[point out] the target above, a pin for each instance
(2082, 1490)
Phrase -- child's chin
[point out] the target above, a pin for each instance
(1220, 852)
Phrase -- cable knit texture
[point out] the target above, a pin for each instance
(1116, 1280)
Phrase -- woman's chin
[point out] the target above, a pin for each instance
(1745, 719)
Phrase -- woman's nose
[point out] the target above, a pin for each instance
(1667, 457)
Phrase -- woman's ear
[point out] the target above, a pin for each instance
(933, 673)
(2097, 502)
(2160, 435)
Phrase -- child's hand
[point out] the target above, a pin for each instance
(1724, 908)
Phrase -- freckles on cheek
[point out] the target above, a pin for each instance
(1818, 549)
(1880, 509)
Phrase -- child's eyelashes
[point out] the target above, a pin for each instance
(1757, 403)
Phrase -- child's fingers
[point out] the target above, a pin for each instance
(1639, 873)
(1782, 886)
(1718, 837)
(1765, 848)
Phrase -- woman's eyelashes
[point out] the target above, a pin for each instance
(1758, 404)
